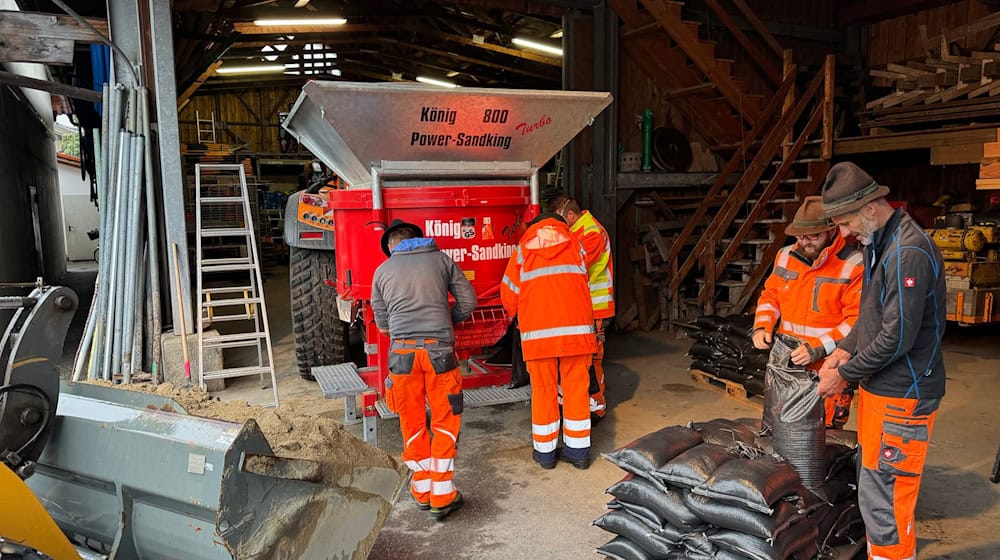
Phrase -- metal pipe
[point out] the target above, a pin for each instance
(86, 347)
(376, 188)
(116, 265)
(133, 246)
(153, 238)
(122, 273)
(101, 141)
(135, 364)
(534, 189)
(16, 302)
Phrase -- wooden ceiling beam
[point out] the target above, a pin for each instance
(471, 60)
(517, 53)
(248, 29)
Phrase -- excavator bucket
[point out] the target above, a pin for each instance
(352, 125)
(132, 475)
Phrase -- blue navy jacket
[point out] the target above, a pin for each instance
(896, 342)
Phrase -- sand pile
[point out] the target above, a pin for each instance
(290, 429)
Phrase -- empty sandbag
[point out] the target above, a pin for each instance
(694, 466)
(726, 433)
(620, 548)
(736, 518)
(799, 539)
(754, 484)
(847, 438)
(653, 450)
(698, 543)
(633, 529)
(641, 512)
(793, 410)
(667, 503)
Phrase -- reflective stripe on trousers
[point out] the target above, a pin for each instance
(546, 374)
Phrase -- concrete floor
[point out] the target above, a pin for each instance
(516, 510)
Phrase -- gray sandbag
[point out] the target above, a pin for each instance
(754, 484)
(666, 502)
(633, 529)
(698, 543)
(694, 466)
(848, 438)
(653, 450)
(724, 432)
(641, 512)
(798, 541)
(839, 525)
(620, 548)
(722, 554)
(793, 411)
(742, 520)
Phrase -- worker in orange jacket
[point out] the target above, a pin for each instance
(600, 276)
(545, 287)
(812, 297)
(410, 304)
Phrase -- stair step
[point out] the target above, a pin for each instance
(237, 340)
(728, 240)
(235, 372)
(221, 199)
(227, 267)
(743, 262)
(792, 181)
(774, 200)
(778, 162)
(807, 142)
(473, 398)
(225, 232)
(726, 283)
(229, 302)
(227, 290)
(341, 380)
(761, 221)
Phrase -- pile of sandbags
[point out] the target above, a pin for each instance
(722, 347)
(716, 491)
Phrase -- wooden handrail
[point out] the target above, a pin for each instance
(766, 66)
(734, 162)
(758, 26)
(750, 177)
(769, 190)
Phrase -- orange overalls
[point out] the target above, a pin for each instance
(600, 277)
(545, 286)
(426, 372)
(818, 304)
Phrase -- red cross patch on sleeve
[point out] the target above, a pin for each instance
(910, 282)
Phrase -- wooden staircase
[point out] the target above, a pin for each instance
(780, 152)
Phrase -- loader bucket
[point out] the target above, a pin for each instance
(127, 475)
(351, 125)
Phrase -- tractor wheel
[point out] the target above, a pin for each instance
(321, 338)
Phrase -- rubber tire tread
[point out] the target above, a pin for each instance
(321, 338)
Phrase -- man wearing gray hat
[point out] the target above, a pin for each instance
(894, 352)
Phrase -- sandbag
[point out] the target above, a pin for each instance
(665, 502)
(727, 433)
(755, 385)
(837, 459)
(756, 359)
(708, 322)
(839, 525)
(793, 410)
(755, 484)
(705, 351)
(698, 543)
(653, 450)
(799, 539)
(848, 438)
(731, 374)
(739, 519)
(739, 325)
(633, 529)
(723, 554)
(620, 548)
(641, 512)
(694, 466)
(706, 366)
(723, 342)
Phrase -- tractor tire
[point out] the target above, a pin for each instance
(321, 338)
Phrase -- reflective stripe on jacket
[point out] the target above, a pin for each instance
(597, 245)
(816, 302)
(545, 286)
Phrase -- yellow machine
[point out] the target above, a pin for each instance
(972, 272)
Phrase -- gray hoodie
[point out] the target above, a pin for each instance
(410, 293)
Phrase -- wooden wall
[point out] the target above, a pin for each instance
(247, 116)
(898, 39)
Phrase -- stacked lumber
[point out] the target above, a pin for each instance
(989, 168)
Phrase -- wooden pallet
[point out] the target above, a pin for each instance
(729, 388)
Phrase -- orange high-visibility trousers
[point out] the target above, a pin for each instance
(432, 459)
(893, 434)
(547, 374)
(838, 409)
(598, 405)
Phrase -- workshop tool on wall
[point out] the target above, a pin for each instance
(463, 165)
(230, 289)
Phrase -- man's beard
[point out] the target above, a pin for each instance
(868, 228)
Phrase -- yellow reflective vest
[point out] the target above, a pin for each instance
(597, 244)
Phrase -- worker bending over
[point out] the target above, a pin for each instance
(600, 277)
(545, 287)
(410, 303)
(812, 297)
(894, 352)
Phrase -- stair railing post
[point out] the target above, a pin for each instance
(787, 68)
(828, 79)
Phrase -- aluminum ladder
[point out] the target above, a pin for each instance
(205, 135)
(221, 198)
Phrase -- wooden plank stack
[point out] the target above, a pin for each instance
(989, 168)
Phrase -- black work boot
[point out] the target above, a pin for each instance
(440, 513)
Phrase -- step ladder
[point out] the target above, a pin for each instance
(234, 293)
(206, 128)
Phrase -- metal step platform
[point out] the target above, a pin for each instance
(342, 381)
(484, 396)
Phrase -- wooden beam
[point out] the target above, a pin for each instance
(248, 29)
(23, 48)
(867, 10)
(471, 60)
(765, 64)
(988, 22)
(52, 26)
(185, 95)
(12, 79)
(922, 139)
(517, 53)
(686, 91)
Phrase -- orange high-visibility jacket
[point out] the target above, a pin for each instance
(545, 286)
(597, 244)
(816, 302)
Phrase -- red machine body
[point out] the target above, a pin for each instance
(477, 225)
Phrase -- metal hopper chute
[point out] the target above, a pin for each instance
(350, 126)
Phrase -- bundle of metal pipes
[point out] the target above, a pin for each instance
(121, 341)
